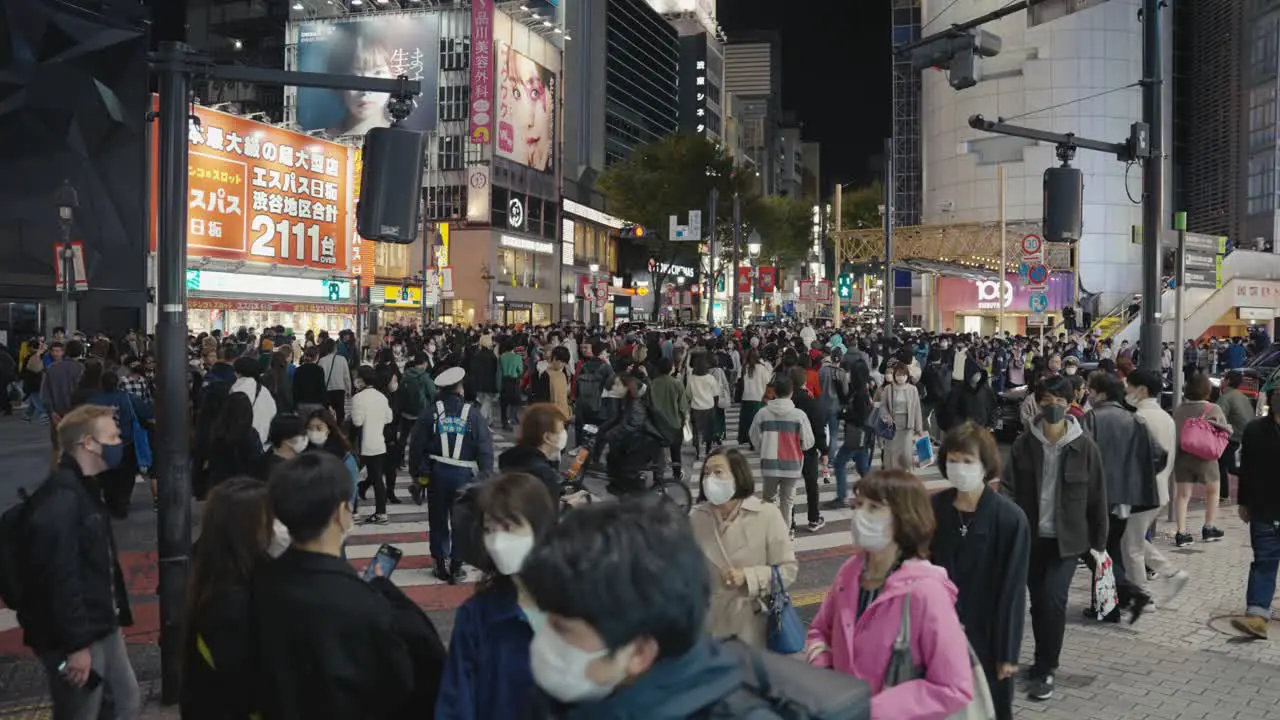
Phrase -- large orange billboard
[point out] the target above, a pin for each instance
(262, 194)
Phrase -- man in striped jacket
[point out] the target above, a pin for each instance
(782, 433)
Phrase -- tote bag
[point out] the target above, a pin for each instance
(903, 668)
(1203, 439)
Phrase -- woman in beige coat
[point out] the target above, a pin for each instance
(899, 404)
(742, 538)
(1189, 470)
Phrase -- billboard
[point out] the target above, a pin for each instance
(381, 46)
(262, 194)
(526, 110)
(481, 110)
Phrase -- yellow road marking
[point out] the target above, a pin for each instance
(804, 599)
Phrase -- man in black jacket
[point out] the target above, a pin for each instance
(75, 602)
(1259, 496)
(332, 645)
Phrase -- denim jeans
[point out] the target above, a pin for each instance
(35, 407)
(1265, 538)
(833, 427)
(861, 460)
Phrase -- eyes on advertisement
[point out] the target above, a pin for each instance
(384, 46)
(526, 110)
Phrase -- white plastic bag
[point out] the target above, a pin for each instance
(1105, 596)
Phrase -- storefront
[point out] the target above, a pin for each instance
(206, 314)
(588, 239)
(974, 306)
(1254, 303)
(504, 277)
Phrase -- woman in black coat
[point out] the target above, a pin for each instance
(983, 541)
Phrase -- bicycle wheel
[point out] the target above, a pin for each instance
(677, 493)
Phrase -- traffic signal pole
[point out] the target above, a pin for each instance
(835, 295)
(1152, 186)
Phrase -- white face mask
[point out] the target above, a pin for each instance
(719, 489)
(965, 477)
(560, 669)
(871, 531)
(560, 439)
(1070, 370)
(900, 379)
(1133, 399)
(508, 550)
(298, 444)
(318, 437)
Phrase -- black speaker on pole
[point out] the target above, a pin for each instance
(1063, 204)
(391, 185)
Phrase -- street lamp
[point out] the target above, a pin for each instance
(595, 301)
(67, 201)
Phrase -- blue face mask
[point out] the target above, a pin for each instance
(112, 455)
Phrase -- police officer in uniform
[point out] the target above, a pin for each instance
(450, 448)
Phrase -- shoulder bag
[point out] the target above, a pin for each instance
(1201, 438)
(903, 668)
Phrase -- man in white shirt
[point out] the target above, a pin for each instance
(1142, 390)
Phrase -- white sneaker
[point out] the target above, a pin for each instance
(1177, 582)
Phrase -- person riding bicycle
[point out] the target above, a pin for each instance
(635, 443)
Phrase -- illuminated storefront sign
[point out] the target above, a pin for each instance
(519, 243)
(268, 306)
(589, 213)
(222, 282)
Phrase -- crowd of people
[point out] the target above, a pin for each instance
(627, 608)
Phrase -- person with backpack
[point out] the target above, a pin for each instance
(417, 393)
(590, 384)
(62, 573)
(450, 448)
(626, 593)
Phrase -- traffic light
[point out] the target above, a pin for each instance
(958, 54)
(634, 232)
(720, 283)
(844, 286)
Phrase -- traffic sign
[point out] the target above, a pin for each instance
(1032, 244)
(1039, 302)
(1037, 276)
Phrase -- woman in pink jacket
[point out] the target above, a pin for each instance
(855, 630)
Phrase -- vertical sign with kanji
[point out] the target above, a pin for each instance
(481, 110)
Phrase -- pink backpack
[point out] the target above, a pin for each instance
(1203, 439)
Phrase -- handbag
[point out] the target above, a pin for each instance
(902, 668)
(1105, 594)
(1201, 438)
(786, 634)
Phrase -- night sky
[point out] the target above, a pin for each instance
(835, 73)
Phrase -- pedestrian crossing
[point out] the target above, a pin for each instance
(408, 527)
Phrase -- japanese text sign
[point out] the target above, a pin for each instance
(262, 194)
(482, 81)
(363, 252)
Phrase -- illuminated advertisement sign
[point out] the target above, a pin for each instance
(481, 111)
(380, 46)
(526, 110)
(693, 83)
(223, 282)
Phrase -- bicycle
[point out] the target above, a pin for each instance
(574, 490)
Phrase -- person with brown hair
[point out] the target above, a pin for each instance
(984, 542)
(72, 618)
(543, 437)
(217, 662)
(1189, 470)
(487, 671)
(889, 576)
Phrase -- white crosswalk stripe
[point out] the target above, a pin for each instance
(408, 526)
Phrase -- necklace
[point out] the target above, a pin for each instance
(964, 526)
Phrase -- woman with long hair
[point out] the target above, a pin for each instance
(744, 539)
(324, 435)
(234, 445)
(889, 575)
(487, 672)
(755, 380)
(278, 378)
(218, 655)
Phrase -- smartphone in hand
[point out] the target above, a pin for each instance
(90, 683)
(384, 562)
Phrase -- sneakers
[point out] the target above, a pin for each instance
(1211, 533)
(820, 523)
(1183, 539)
(1251, 625)
(1140, 604)
(1040, 687)
(835, 505)
(376, 519)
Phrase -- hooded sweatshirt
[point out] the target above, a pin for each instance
(862, 646)
(1049, 479)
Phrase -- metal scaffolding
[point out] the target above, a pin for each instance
(908, 154)
(960, 247)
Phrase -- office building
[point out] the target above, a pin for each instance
(753, 74)
(701, 64)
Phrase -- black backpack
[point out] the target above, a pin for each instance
(590, 388)
(777, 686)
(13, 548)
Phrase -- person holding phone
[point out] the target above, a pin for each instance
(331, 645)
(75, 603)
(487, 673)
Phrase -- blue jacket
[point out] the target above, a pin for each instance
(128, 408)
(487, 672)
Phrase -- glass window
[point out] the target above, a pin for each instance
(1262, 117)
(1262, 183)
(542, 314)
(1263, 54)
(455, 53)
(449, 156)
(453, 102)
(521, 268)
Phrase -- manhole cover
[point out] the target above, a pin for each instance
(1222, 625)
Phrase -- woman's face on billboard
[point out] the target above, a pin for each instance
(531, 110)
(363, 106)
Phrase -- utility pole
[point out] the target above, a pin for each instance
(1004, 261)
(835, 237)
(173, 491)
(715, 255)
(1152, 184)
(737, 255)
(887, 294)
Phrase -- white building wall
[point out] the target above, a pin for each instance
(1073, 57)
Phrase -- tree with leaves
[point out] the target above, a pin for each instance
(861, 207)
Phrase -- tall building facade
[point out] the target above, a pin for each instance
(1260, 75)
(753, 75)
(702, 101)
